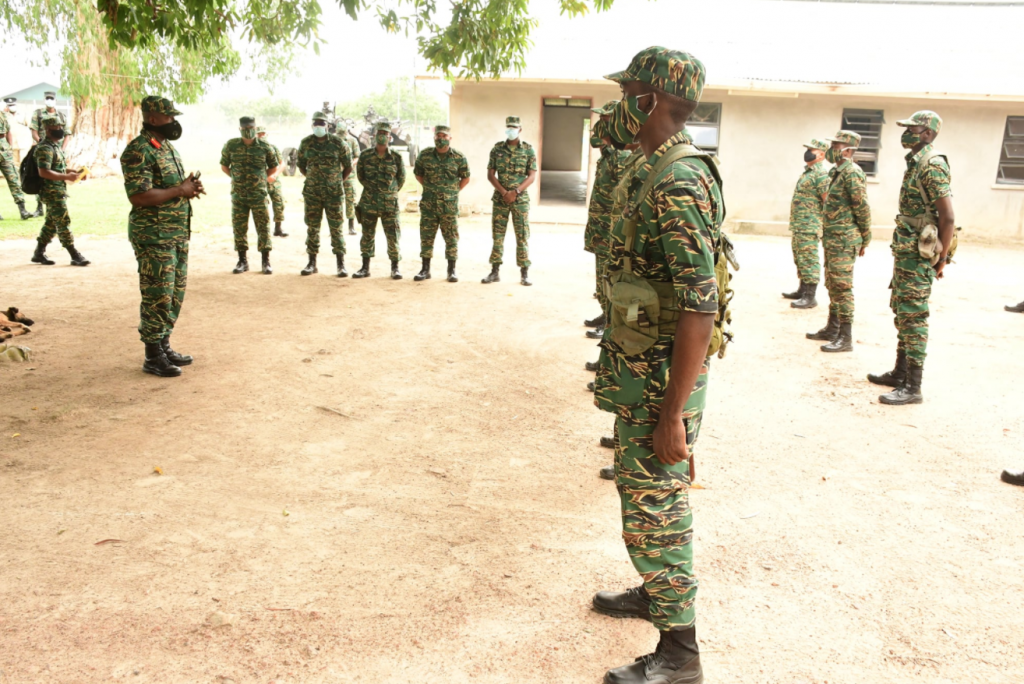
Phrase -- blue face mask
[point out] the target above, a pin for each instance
(512, 133)
(319, 131)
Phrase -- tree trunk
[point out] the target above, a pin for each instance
(101, 132)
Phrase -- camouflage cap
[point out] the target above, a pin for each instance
(442, 128)
(50, 93)
(154, 104)
(261, 129)
(925, 117)
(383, 127)
(677, 73)
(320, 116)
(607, 108)
(847, 137)
(512, 121)
(247, 121)
(816, 144)
(51, 120)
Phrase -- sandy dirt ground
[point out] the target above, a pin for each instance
(377, 481)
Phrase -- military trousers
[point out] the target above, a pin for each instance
(240, 211)
(10, 171)
(350, 197)
(805, 256)
(57, 222)
(657, 523)
(392, 231)
(163, 275)
(276, 194)
(520, 213)
(912, 278)
(448, 224)
(840, 248)
(316, 207)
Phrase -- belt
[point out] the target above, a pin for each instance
(917, 222)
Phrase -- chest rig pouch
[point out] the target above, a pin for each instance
(641, 309)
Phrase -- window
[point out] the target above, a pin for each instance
(1011, 156)
(566, 102)
(867, 122)
(703, 126)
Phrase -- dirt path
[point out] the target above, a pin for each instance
(387, 481)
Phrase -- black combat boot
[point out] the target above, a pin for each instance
(267, 270)
(310, 267)
(592, 365)
(591, 387)
(277, 230)
(676, 660)
(39, 208)
(351, 226)
(909, 392)
(597, 322)
(173, 356)
(608, 442)
(395, 275)
(843, 341)
(607, 473)
(342, 271)
(524, 276)
(364, 272)
(40, 254)
(795, 295)
(829, 332)
(1016, 308)
(25, 215)
(1013, 477)
(808, 299)
(596, 333)
(157, 362)
(424, 273)
(493, 276)
(896, 376)
(635, 602)
(452, 278)
(76, 258)
(243, 262)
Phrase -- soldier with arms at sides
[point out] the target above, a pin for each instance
(7, 163)
(251, 163)
(511, 169)
(443, 172)
(274, 190)
(381, 172)
(54, 173)
(805, 224)
(350, 183)
(325, 161)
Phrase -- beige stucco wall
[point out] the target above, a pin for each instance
(760, 148)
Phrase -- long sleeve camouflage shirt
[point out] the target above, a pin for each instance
(846, 205)
(807, 205)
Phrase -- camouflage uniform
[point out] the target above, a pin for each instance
(512, 164)
(678, 226)
(274, 189)
(350, 182)
(249, 165)
(54, 194)
(805, 217)
(381, 177)
(599, 213)
(7, 165)
(324, 162)
(439, 208)
(159, 235)
(36, 122)
(847, 228)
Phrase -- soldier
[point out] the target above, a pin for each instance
(845, 236)
(159, 228)
(443, 172)
(54, 194)
(251, 163)
(805, 224)
(7, 165)
(599, 216)
(36, 123)
(926, 207)
(657, 389)
(350, 185)
(381, 172)
(325, 161)
(274, 190)
(511, 169)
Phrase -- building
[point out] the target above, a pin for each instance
(29, 100)
(780, 73)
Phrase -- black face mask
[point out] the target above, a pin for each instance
(809, 156)
(171, 131)
(56, 134)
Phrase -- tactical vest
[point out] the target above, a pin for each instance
(641, 309)
(928, 244)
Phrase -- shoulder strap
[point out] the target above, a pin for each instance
(924, 161)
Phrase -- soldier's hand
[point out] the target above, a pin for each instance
(939, 267)
(863, 249)
(670, 441)
(510, 196)
(190, 187)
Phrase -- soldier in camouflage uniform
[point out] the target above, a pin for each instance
(805, 224)
(846, 234)
(599, 213)
(7, 165)
(54, 173)
(381, 172)
(325, 161)
(913, 274)
(658, 395)
(350, 184)
(443, 172)
(251, 163)
(159, 228)
(511, 169)
(274, 190)
(38, 131)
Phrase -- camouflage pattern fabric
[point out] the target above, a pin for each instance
(315, 210)
(350, 183)
(620, 197)
(511, 164)
(381, 177)
(7, 165)
(275, 191)
(599, 213)
(677, 73)
(847, 227)
(324, 162)
(678, 225)
(36, 122)
(57, 222)
(159, 235)
(439, 207)
(925, 117)
(240, 224)
(248, 165)
(805, 221)
(54, 195)
(913, 275)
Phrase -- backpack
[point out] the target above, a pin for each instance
(31, 183)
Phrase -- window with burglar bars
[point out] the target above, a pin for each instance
(1011, 157)
(703, 126)
(867, 122)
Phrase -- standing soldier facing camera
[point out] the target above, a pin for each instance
(251, 163)
(805, 224)
(49, 156)
(443, 172)
(511, 169)
(381, 171)
(325, 161)
(274, 190)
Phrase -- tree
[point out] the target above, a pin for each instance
(398, 100)
(268, 111)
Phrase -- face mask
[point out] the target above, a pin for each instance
(834, 156)
(248, 133)
(56, 133)
(809, 156)
(382, 139)
(627, 119)
(319, 131)
(910, 139)
(50, 103)
(441, 143)
(512, 133)
(12, 109)
(170, 130)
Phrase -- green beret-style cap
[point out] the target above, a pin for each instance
(261, 129)
(816, 144)
(925, 117)
(154, 104)
(848, 137)
(677, 73)
(512, 121)
(441, 128)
